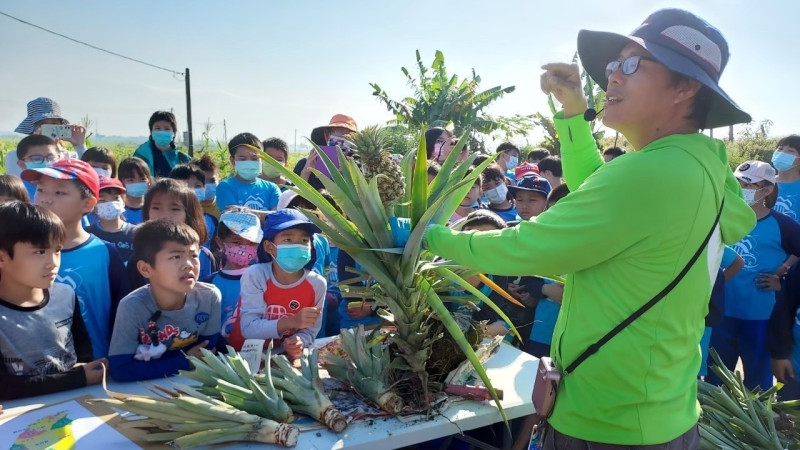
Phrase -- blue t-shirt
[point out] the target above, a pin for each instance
(95, 271)
(133, 215)
(789, 199)
(507, 214)
(211, 227)
(229, 284)
(728, 257)
(774, 238)
(31, 188)
(122, 239)
(260, 195)
(545, 321)
(323, 254)
(333, 271)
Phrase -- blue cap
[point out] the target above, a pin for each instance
(679, 40)
(533, 183)
(286, 219)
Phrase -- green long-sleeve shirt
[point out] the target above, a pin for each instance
(624, 232)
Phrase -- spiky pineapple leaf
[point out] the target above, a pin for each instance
(419, 184)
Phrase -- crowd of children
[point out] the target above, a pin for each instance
(137, 264)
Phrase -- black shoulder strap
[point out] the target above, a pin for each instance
(638, 313)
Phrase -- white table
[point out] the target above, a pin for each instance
(510, 370)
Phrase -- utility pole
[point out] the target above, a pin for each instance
(225, 131)
(295, 140)
(730, 133)
(189, 113)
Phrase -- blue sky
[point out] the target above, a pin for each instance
(275, 67)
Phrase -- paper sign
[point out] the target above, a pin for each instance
(65, 425)
(253, 352)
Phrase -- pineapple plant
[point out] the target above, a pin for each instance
(410, 287)
(371, 146)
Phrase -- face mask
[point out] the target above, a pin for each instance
(248, 170)
(750, 196)
(270, 172)
(162, 138)
(512, 162)
(36, 165)
(783, 161)
(200, 193)
(211, 190)
(136, 190)
(241, 255)
(497, 195)
(102, 172)
(110, 210)
(293, 257)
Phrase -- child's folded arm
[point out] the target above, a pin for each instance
(126, 368)
(253, 309)
(12, 386)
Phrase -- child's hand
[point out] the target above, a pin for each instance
(768, 282)
(553, 291)
(305, 318)
(362, 310)
(94, 370)
(195, 351)
(293, 346)
(78, 135)
(496, 329)
(782, 369)
(516, 290)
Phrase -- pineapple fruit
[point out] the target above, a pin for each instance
(371, 147)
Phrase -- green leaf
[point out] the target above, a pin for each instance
(419, 184)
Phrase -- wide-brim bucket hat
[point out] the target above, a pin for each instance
(40, 109)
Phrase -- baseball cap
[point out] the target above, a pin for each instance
(243, 224)
(679, 40)
(107, 183)
(343, 121)
(755, 171)
(67, 169)
(285, 219)
(532, 183)
(286, 197)
(526, 169)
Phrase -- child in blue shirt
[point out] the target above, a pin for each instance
(786, 160)
(245, 188)
(135, 175)
(109, 225)
(173, 316)
(195, 180)
(750, 296)
(278, 150)
(493, 185)
(238, 235)
(35, 152)
(92, 267)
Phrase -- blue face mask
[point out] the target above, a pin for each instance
(200, 193)
(783, 161)
(162, 138)
(211, 190)
(136, 190)
(248, 170)
(512, 162)
(293, 257)
(36, 165)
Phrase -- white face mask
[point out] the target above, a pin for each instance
(750, 196)
(110, 210)
(102, 172)
(498, 194)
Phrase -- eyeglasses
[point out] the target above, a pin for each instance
(36, 159)
(629, 66)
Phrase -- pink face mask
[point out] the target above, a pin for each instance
(241, 255)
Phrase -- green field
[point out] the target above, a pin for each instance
(122, 151)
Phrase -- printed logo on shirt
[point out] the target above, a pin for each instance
(785, 205)
(746, 250)
(125, 245)
(154, 342)
(254, 202)
(201, 318)
(70, 277)
(294, 304)
(275, 312)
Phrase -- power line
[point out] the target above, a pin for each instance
(174, 72)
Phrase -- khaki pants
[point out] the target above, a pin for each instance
(553, 440)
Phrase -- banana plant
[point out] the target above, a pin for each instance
(407, 289)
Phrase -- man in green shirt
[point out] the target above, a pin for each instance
(627, 229)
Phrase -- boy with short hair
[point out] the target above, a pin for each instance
(530, 195)
(282, 299)
(172, 315)
(508, 159)
(35, 152)
(278, 149)
(245, 188)
(211, 171)
(93, 268)
(550, 169)
(537, 155)
(195, 179)
(493, 185)
(109, 225)
(44, 347)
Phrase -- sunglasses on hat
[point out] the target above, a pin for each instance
(629, 66)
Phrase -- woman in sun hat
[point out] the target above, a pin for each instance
(45, 111)
(627, 231)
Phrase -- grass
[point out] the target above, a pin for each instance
(121, 151)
